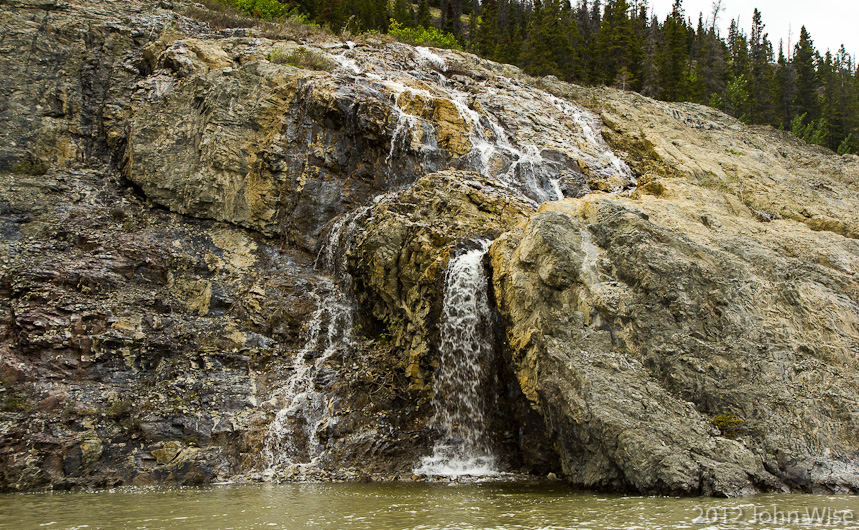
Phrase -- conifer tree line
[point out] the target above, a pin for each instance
(621, 43)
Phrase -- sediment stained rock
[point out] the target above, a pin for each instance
(637, 321)
(165, 188)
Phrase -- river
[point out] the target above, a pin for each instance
(385, 506)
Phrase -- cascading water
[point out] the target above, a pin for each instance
(462, 447)
(552, 142)
(530, 156)
(294, 435)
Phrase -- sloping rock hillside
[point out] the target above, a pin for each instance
(216, 264)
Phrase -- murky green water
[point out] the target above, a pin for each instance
(414, 506)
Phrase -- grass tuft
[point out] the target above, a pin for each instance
(301, 57)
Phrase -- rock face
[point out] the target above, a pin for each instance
(179, 217)
(283, 150)
(634, 322)
(125, 329)
(398, 260)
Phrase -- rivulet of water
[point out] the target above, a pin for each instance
(532, 161)
(295, 434)
(461, 446)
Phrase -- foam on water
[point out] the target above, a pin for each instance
(348, 64)
(430, 57)
(512, 160)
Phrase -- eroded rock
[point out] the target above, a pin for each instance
(167, 191)
(636, 322)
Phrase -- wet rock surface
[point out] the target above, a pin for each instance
(398, 262)
(127, 328)
(176, 211)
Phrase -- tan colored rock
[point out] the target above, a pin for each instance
(91, 451)
(452, 130)
(168, 453)
(634, 322)
(768, 170)
(403, 249)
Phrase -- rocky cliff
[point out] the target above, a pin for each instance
(217, 264)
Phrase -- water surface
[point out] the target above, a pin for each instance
(498, 506)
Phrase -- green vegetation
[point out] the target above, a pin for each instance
(728, 424)
(302, 58)
(421, 36)
(813, 133)
(12, 404)
(264, 9)
(118, 409)
(30, 167)
(392, 326)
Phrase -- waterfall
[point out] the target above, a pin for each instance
(533, 155)
(531, 158)
(294, 435)
(465, 350)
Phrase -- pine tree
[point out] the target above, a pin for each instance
(309, 7)
(762, 79)
(838, 103)
(713, 65)
(784, 91)
(737, 97)
(403, 13)
(569, 21)
(593, 21)
(487, 31)
(738, 46)
(547, 50)
(673, 57)
(648, 28)
(511, 22)
(449, 19)
(850, 144)
(473, 22)
(424, 16)
(617, 46)
(330, 13)
(806, 77)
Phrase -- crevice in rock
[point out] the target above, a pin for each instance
(523, 436)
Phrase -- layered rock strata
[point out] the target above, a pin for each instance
(675, 294)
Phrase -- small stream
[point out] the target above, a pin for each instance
(401, 506)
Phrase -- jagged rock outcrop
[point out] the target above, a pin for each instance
(398, 261)
(283, 150)
(401, 252)
(176, 208)
(138, 346)
(637, 321)
(128, 332)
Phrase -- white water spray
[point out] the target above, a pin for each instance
(296, 436)
(462, 448)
